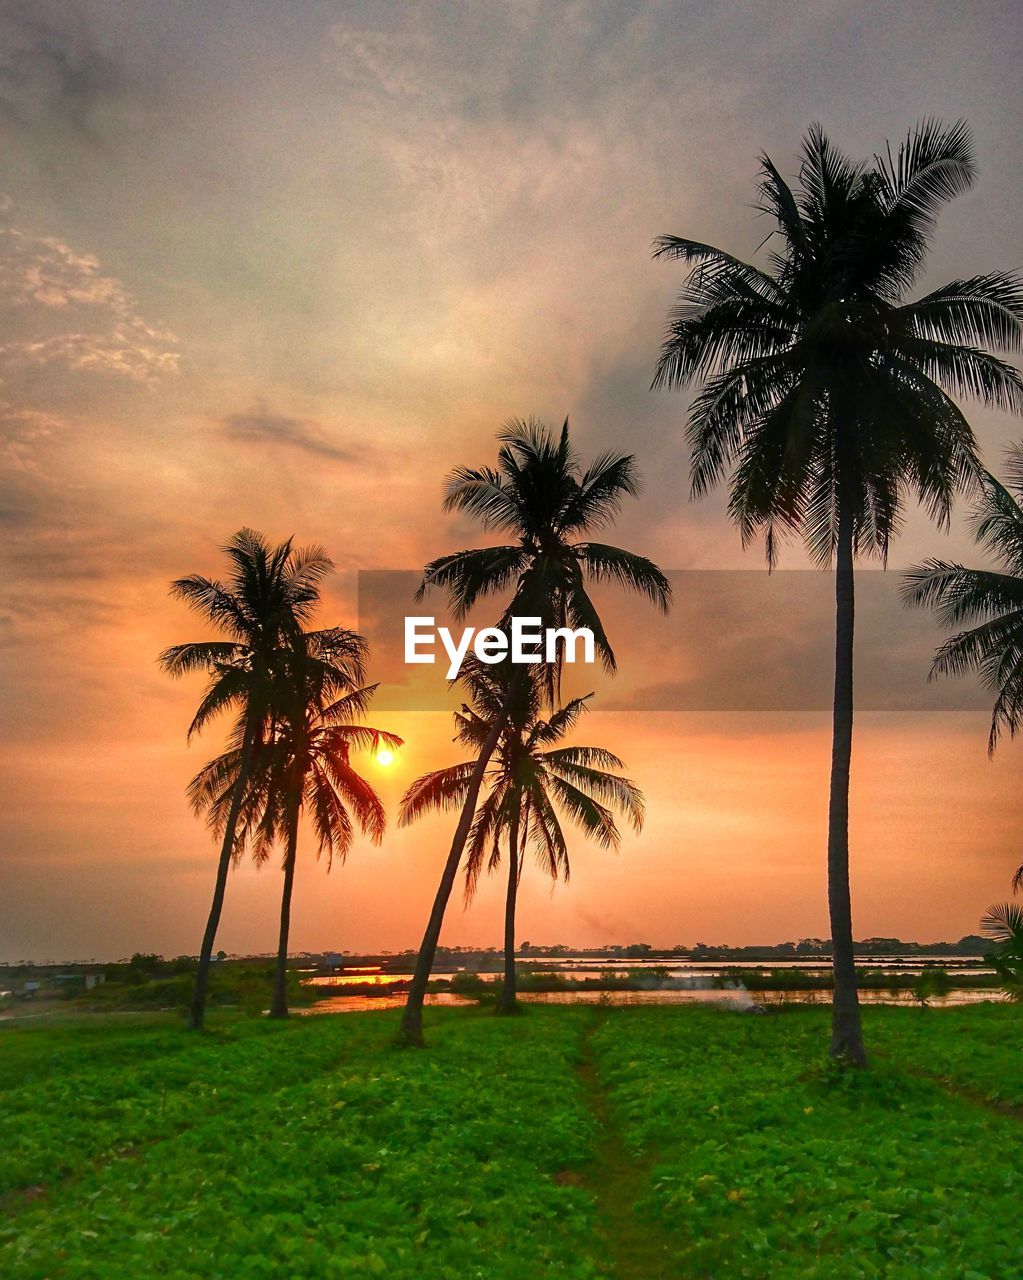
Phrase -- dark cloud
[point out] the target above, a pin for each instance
(51, 72)
(748, 641)
(260, 426)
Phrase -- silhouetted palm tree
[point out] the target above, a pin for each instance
(825, 395)
(543, 500)
(1004, 924)
(530, 779)
(305, 766)
(991, 600)
(262, 609)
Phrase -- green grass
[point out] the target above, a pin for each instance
(769, 1163)
(643, 1143)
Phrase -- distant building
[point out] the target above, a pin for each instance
(85, 981)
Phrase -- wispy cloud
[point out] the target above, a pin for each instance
(65, 310)
(261, 426)
(20, 430)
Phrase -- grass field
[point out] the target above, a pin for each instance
(642, 1143)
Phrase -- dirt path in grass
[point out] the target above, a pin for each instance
(630, 1245)
(966, 1092)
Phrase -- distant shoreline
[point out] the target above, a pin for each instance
(484, 959)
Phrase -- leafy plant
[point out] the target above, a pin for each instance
(931, 984)
(1004, 924)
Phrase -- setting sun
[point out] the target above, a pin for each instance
(385, 757)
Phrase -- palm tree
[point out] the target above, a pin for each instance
(530, 779)
(305, 766)
(542, 499)
(1004, 924)
(262, 608)
(826, 397)
(990, 599)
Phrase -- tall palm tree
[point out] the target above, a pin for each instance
(543, 500)
(261, 608)
(529, 779)
(825, 396)
(305, 766)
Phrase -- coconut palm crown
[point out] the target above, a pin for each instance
(529, 779)
(822, 389)
(545, 501)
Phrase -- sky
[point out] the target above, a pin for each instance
(283, 266)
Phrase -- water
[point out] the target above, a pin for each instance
(580, 970)
(676, 982)
(730, 998)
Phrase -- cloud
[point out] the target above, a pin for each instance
(119, 352)
(53, 73)
(747, 641)
(62, 309)
(20, 430)
(260, 426)
(379, 58)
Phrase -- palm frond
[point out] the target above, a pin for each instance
(440, 789)
(982, 311)
(201, 655)
(1003, 923)
(636, 573)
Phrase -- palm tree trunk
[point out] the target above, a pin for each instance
(507, 1002)
(410, 1033)
(279, 1003)
(846, 1031)
(197, 1010)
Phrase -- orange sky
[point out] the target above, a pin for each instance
(287, 270)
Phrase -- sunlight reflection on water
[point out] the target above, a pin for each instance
(732, 998)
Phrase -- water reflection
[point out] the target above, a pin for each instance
(733, 998)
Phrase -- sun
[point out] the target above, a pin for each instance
(385, 757)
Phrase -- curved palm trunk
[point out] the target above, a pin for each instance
(507, 1002)
(846, 1031)
(279, 1003)
(197, 1010)
(410, 1033)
